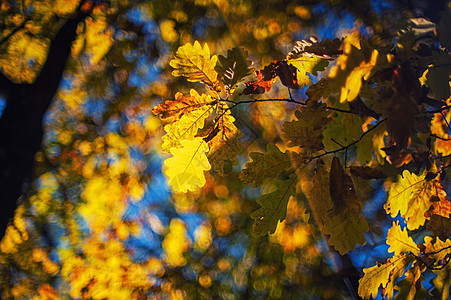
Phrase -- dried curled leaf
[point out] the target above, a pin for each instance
(273, 207)
(265, 166)
(185, 169)
(195, 63)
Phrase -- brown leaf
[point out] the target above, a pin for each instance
(440, 227)
(325, 49)
(287, 75)
(341, 187)
(368, 172)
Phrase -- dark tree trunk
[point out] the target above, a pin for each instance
(21, 122)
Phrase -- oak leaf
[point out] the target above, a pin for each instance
(399, 241)
(234, 67)
(265, 166)
(185, 169)
(182, 105)
(383, 274)
(306, 131)
(304, 65)
(185, 125)
(410, 196)
(410, 287)
(195, 63)
(353, 66)
(224, 145)
(345, 224)
(273, 207)
(316, 190)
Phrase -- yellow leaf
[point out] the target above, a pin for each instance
(306, 64)
(383, 274)
(353, 66)
(186, 168)
(225, 145)
(399, 241)
(410, 197)
(189, 116)
(195, 63)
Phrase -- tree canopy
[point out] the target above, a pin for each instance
(225, 149)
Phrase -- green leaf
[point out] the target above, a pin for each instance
(306, 131)
(273, 207)
(265, 166)
(410, 196)
(195, 63)
(234, 67)
(384, 275)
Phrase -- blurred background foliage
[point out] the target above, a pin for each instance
(100, 221)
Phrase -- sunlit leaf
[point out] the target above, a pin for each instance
(186, 168)
(304, 65)
(225, 145)
(353, 66)
(410, 196)
(190, 114)
(383, 274)
(399, 241)
(183, 105)
(195, 63)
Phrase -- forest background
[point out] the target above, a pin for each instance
(225, 149)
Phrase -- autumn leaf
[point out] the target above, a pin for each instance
(265, 166)
(234, 67)
(185, 169)
(326, 49)
(410, 287)
(182, 105)
(273, 207)
(383, 274)
(410, 196)
(189, 116)
(440, 226)
(345, 224)
(306, 131)
(438, 75)
(304, 65)
(399, 241)
(316, 189)
(225, 145)
(353, 66)
(195, 63)
(368, 172)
